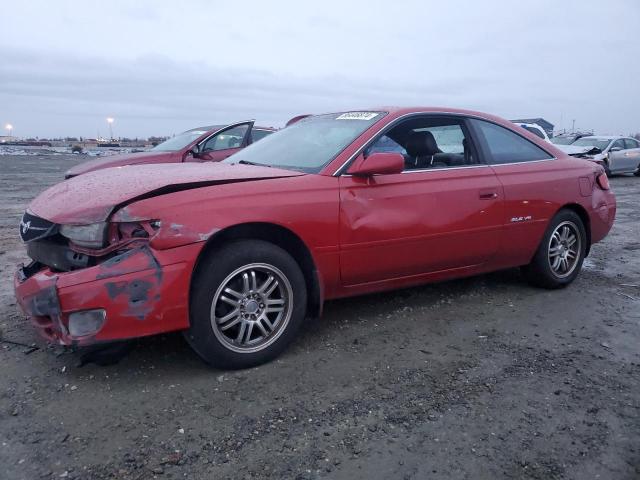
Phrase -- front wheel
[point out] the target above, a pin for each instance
(559, 257)
(637, 172)
(248, 301)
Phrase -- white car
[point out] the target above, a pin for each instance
(616, 154)
(536, 129)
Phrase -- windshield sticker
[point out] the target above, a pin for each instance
(357, 116)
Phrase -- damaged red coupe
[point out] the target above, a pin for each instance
(204, 144)
(236, 254)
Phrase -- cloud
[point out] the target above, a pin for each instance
(161, 69)
(156, 91)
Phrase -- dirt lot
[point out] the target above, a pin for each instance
(479, 378)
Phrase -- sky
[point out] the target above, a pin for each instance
(160, 67)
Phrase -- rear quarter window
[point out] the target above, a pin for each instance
(506, 146)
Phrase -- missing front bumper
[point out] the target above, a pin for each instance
(142, 292)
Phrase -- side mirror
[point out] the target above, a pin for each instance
(195, 151)
(377, 164)
(615, 149)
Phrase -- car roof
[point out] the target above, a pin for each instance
(205, 128)
(208, 128)
(602, 137)
(396, 111)
(431, 109)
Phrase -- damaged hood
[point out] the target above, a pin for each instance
(92, 197)
(576, 150)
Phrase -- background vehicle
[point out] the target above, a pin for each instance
(237, 253)
(204, 144)
(534, 128)
(616, 154)
(568, 138)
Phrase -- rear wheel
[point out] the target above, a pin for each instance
(247, 304)
(559, 257)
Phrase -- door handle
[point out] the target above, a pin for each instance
(488, 195)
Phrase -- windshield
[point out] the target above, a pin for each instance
(562, 140)
(599, 143)
(309, 144)
(179, 141)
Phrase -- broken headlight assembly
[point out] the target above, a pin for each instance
(99, 239)
(91, 236)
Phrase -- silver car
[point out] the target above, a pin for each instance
(616, 154)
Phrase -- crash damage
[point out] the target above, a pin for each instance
(100, 273)
(137, 284)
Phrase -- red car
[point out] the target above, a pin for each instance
(236, 254)
(205, 144)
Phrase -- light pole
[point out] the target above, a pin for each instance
(9, 127)
(110, 122)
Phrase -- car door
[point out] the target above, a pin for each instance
(530, 177)
(430, 218)
(224, 143)
(618, 162)
(631, 155)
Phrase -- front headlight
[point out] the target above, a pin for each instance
(90, 236)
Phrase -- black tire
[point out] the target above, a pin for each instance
(540, 271)
(607, 170)
(215, 346)
(637, 172)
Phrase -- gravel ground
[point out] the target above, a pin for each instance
(478, 378)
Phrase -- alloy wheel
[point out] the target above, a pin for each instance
(251, 307)
(565, 248)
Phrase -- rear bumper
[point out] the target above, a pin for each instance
(142, 291)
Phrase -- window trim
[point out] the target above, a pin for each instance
(444, 169)
(340, 171)
(487, 151)
(224, 129)
(465, 116)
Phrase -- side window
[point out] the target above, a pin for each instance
(428, 142)
(230, 138)
(259, 134)
(506, 146)
(386, 145)
(631, 143)
(618, 144)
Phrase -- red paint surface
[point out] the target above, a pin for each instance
(92, 197)
(363, 234)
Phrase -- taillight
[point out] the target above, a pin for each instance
(603, 181)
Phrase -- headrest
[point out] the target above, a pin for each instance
(420, 144)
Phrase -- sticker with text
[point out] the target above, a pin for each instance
(357, 116)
